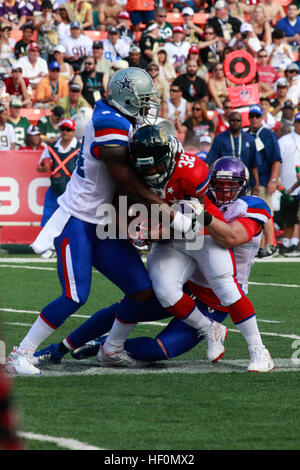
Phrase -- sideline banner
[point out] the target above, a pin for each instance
(22, 193)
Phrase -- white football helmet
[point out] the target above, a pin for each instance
(131, 91)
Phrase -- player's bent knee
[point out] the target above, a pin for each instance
(227, 290)
(143, 296)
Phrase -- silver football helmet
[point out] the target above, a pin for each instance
(131, 91)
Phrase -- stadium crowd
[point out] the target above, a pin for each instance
(57, 57)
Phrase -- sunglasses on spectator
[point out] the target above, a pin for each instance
(67, 129)
(174, 90)
(196, 109)
(254, 115)
(260, 56)
(89, 63)
(292, 71)
(220, 69)
(162, 16)
(209, 32)
(55, 70)
(154, 68)
(227, 107)
(235, 120)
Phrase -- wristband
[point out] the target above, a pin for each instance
(181, 222)
(207, 218)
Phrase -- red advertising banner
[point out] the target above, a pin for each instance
(22, 193)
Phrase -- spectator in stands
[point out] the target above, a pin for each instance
(234, 142)
(33, 139)
(19, 123)
(148, 42)
(193, 32)
(178, 108)
(285, 119)
(273, 11)
(64, 27)
(77, 45)
(225, 25)
(46, 23)
(7, 45)
(66, 69)
(82, 12)
(281, 89)
(73, 102)
(238, 9)
(21, 45)
(269, 159)
(193, 54)
(114, 47)
(261, 25)
(162, 87)
(66, 147)
(293, 79)
(33, 66)
(289, 207)
(102, 65)
(178, 48)
(268, 120)
(7, 134)
(51, 88)
(246, 40)
(108, 13)
(222, 119)
(165, 28)
(204, 147)
(34, 7)
(196, 126)
(17, 86)
(48, 125)
(266, 73)
(93, 84)
(193, 88)
(280, 53)
(217, 85)
(140, 13)
(124, 26)
(134, 58)
(211, 48)
(290, 25)
(166, 69)
(13, 12)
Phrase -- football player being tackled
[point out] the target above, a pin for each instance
(209, 273)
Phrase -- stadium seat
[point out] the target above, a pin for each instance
(96, 35)
(283, 3)
(33, 115)
(200, 18)
(174, 18)
(17, 34)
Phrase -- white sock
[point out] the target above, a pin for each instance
(36, 335)
(294, 241)
(250, 331)
(197, 320)
(117, 336)
(286, 242)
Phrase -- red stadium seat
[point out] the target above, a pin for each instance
(17, 34)
(174, 18)
(96, 35)
(33, 115)
(200, 18)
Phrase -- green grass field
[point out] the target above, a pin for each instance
(183, 404)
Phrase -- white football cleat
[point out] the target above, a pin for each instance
(215, 335)
(261, 360)
(120, 358)
(21, 362)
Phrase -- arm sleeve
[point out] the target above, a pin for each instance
(251, 226)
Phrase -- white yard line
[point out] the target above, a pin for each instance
(66, 443)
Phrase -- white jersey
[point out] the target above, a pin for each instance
(117, 51)
(7, 137)
(80, 47)
(250, 207)
(181, 110)
(90, 184)
(178, 51)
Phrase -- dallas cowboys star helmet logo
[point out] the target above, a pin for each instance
(125, 83)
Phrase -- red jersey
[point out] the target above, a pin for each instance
(13, 89)
(221, 125)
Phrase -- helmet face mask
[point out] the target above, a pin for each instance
(229, 180)
(131, 91)
(152, 155)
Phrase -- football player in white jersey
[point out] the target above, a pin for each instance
(102, 167)
(245, 216)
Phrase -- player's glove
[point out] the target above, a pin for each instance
(187, 215)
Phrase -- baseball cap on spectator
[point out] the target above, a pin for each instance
(178, 29)
(97, 45)
(220, 4)
(68, 123)
(205, 138)
(124, 14)
(15, 103)
(75, 87)
(288, 104)
(150, 28)
(2, 107)
(60, 48)
(292, 68)
(194, 50)
(281, 83)
(16, 66)
(54, 65)
(113, 30)
(297, 117)
(33, 130)
(134, 48)
(75, 24)
(246, 27)
(5, 25)
(32, 46)
(257, 109)
(58, 111)
(188, 11)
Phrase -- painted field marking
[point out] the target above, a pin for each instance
(71, 444)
